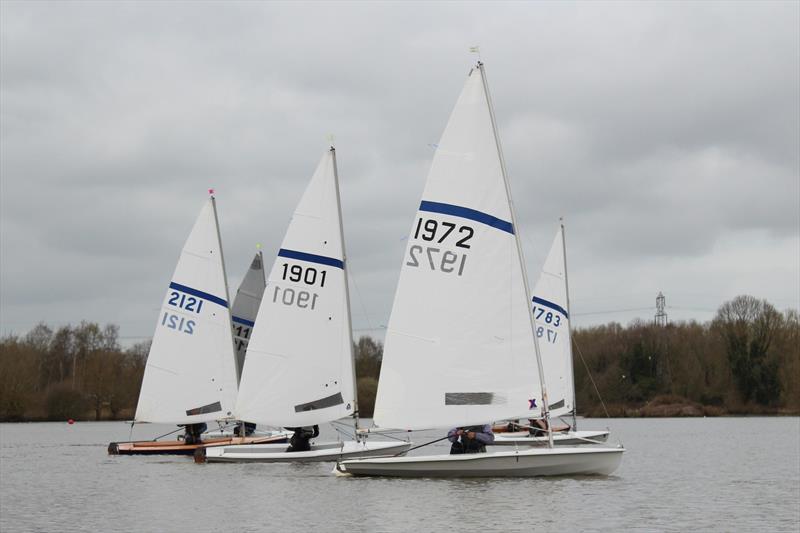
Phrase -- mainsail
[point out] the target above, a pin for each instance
(245, 308)
(299, 365)
(190, 375)
(459, 342)
(551, 313)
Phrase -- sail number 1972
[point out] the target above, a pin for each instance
(437, 258)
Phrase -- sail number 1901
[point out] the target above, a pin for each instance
(295, 297)
(308, 275)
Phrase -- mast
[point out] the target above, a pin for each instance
(545, 408)
(347, 296)
(225, 279)
(569, 316)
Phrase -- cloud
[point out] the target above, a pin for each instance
(666, 134)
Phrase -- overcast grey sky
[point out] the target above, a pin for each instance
(666, 134)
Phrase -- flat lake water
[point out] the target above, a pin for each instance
(711, 474)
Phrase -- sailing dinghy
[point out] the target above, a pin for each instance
(190, 378)
(245, 307)
(299, 368)
(551, 313)
(461, 332)
(243, 318)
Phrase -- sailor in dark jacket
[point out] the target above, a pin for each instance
(301, 437)
(192, 432)
(472, 439)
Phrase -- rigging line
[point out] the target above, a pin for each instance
(379, 431)
(421, 446)
(589, 373)
(531, 244)
(610, 311)
(700, 309)
(166, 434)
(341, 430)
(393, 437)
(592, 441)
(360, 299)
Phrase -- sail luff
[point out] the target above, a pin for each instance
(227, 296)
(545, 411)
(348, 319)
(569, 330)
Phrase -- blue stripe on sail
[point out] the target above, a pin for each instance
(311, 258)
(466, 212)
(243, 321)
(551, 305)
(199, 294)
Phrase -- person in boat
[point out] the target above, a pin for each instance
(538, 427)
(249, 429)
(192, 432)
(471, 439)
(300, 441)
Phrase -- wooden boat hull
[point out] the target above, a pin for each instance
(529, 462)
(573, 438)
(276, 453)
(178, 447)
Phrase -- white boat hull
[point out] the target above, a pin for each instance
(227, 433)
(276, 453)
(573, 438)
(529, 462)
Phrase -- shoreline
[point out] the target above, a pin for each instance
(672, 412)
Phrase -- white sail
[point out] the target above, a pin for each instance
(551, 313)
(190, 375)
(245, 307)
(299, 367)
(459, 344)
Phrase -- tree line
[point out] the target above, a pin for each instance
(72, 372)
(745, 360)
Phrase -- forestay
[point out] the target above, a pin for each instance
(551, 313)
(459, 345)
(245, 308)
(190, 375)
(299, 368)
